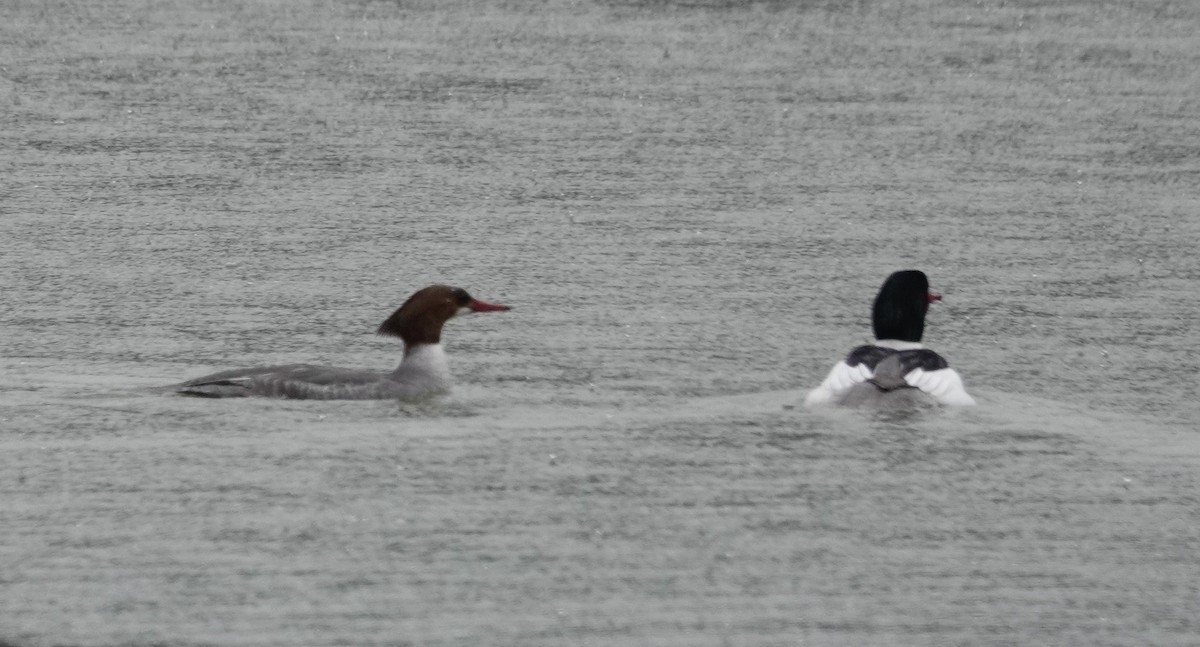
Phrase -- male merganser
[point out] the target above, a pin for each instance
(896, 361)
(422, 373)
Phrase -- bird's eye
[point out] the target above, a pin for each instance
(461, 297)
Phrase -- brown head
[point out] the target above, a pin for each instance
(420, 319)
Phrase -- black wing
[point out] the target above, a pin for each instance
(922, 358)
(869, 355)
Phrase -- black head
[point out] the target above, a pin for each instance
(900, 306)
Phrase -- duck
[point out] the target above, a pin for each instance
(896, 364)
(423, 372)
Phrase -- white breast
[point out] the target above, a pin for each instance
(424, 369)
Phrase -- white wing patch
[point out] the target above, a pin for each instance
(838, 383)
(944, 385)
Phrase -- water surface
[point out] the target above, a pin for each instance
(690, 206)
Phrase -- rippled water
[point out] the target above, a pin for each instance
(690, 206)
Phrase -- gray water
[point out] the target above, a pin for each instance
(690, 207)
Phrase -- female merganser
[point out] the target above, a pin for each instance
(422, 373)
(896, 361)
